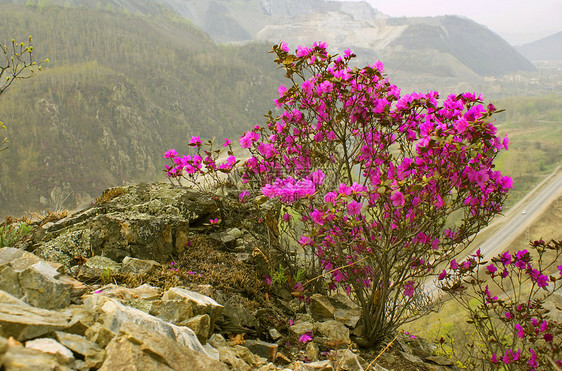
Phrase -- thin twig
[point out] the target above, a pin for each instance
(333, 270)
(382, 351)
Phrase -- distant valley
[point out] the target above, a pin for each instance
(128, 80)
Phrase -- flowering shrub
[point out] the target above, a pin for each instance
(386, 186)
(513, 327)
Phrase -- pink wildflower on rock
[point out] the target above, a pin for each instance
(226, 142)
(442, 275)
(171, 153)
(306, 337)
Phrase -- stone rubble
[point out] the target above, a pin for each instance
(66, 314)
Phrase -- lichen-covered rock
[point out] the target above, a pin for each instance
(144, 221)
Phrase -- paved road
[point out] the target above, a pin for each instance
(514, 222)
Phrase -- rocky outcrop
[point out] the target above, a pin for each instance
(50, 320)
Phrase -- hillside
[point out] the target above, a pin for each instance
(119, 90)
(546, 49)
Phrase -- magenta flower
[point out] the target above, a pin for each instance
(520, 331)
(214, 221)
(195, 141)
(542, 281)
(306, 337)
(286, 217)
(354, 208)
(242, 196)
(491, 268)
(268, 280)
(397, 199)
(442, 275)
(285, 47)
(454, 264)
(330, 197)
(171, 153)
(317, 217)
(560, 269)
(409, 288)
(548, 337)
(226, 142)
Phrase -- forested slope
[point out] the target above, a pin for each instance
(117, 92)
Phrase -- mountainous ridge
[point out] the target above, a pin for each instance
(548, 48)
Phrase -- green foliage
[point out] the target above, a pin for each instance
(9, 234)
(534, 127)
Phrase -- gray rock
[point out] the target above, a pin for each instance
(412, 358)
(99, 334)
(80, 319)
(348, 317)
(33, 280)
(174, 311)
(27, 359)
(262, 349)
(138, 348)
(25, 322)
(227, 355)
(113, 315)
(200, 325)
(144, 221)
(4, 345)
(314, 366)
(103, 263)
(300, 328)
(321, 307)
(336, 332)
(124, 294)
(349, 361)
(217, 341)
(200, 304)
(133, 265)
(440, 360)
(312, 351)
(275, 335)
(51, 346)
(10, 299)
(93, 354)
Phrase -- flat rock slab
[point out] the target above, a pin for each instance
(25, 322)
(113, 315)
(138, 348)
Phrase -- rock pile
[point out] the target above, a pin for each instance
(58, 312)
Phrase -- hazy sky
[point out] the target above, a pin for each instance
(517, 21)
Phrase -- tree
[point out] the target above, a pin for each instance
(16, 63)
(387, 187)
